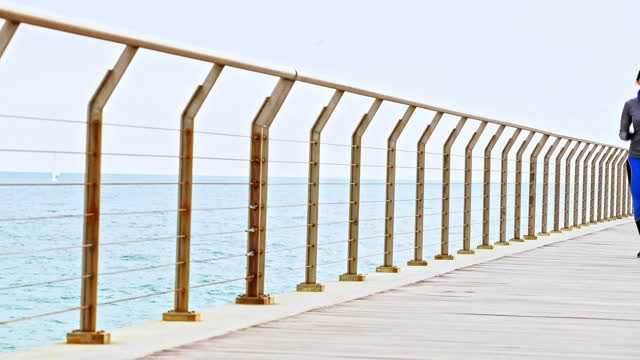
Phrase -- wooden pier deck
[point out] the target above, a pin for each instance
(575, 299)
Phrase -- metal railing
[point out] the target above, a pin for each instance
(607, 199)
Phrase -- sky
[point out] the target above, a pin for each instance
(561, 66)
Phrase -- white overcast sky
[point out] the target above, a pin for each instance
(562, 66)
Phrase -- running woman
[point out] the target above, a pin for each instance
(631, 115)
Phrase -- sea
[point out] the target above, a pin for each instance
(35, 218)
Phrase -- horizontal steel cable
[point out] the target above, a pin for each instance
(223, 257)
(44, 282)
(43, 315)
(26, 252)
(140, 269)
(47, 217)
(142, 240)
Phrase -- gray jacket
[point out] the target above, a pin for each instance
(631, 115)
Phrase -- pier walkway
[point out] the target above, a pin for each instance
(574, 299)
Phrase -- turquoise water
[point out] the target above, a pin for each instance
(45, 201)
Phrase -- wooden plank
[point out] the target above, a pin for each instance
(503, 309)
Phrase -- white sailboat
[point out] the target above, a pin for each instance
(55, 174)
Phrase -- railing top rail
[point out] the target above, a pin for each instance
(19, 15)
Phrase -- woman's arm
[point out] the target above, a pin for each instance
(625, 123)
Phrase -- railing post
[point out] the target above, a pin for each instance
(576, 187)
(619, 210)
(601, 170)
(518, 199)
(615, 174)
(310, 284)
(486, 196)
(87, 333)
(354, 194)
(545, 188)
(258, 178)
(585, 184)
(181, 311)
(533, 171)
(390, 192)
(446, 183)
(593, 212)
(556, 197)
(420, 181)
(468, 177)
(607, 171)
(6, 34)
(504, 176)
(567, 187)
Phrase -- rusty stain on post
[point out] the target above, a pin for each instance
(468, 177)
(504, 176)
(518, 197)
(181, 311)
(486, 198)
(310, 284)
(388, 267)
(533, 170)
(446, 183)
(87, 333)
(420, 182)
(354, 194)
(258, 178)
(545, 188)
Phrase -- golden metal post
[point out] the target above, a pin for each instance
(420, 182)
(601, 170)
(585, 184)
(6, 34)
(567, 187)
(593, 212)
(556, 202)
(87, 333)
(621, 175)
(486, 199)
(468, 177)
(446, 183)
(607, 171)
(258, 185)
(545, 188)
(390, 193)
(518, 198)
(504, 175)
(615, 186)
(354, 194)
(310, 284)
(576, 187)
(181, 311)
(533, 183)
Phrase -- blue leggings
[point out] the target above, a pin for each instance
(633, 173)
